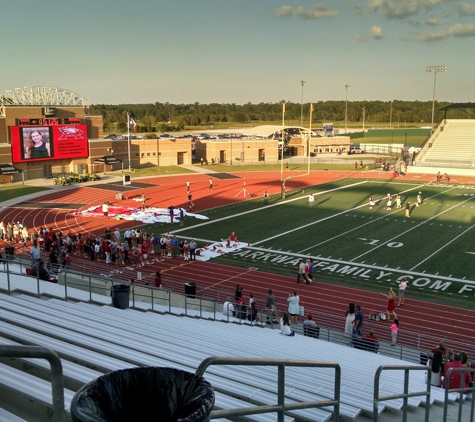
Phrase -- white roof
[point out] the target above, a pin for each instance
(264, 131)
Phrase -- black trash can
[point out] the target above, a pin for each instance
(144, 394)
(120, 296)
(190, 289)
(10, 252)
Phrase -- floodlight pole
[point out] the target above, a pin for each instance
(346, 108)
(435, 69)
(391, 116)
(301, 105)
(363, 118)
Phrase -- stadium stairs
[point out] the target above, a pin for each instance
(451, 149)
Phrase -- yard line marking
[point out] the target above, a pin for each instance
(412, 228)
(360, 226)
(263, 208)
(437, 251)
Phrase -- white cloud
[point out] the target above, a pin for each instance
(401, 9)
(317, 11)
(457, 31)
(432, 22)
(465, 9)
(377, 32)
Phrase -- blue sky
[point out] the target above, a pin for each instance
(239, 51)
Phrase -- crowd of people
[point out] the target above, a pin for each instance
(442, 360)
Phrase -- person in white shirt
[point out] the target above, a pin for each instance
(402, 290)
(228, 308)
(285, 326)
(311, 201)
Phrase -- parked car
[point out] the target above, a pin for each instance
(111, 136)
(203, 136)
(167, 136)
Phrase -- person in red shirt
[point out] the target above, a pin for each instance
(455, 376)
(158, 280)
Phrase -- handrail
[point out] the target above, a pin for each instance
(406, 368)
(460, 390)
(326, 320)
(281, 407)
(57, 381)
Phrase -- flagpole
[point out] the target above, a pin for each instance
(128, 140)
(310, 136)
(282, 146)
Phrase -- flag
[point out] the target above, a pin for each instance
(311, 108)
(283, 107)
(132, 124)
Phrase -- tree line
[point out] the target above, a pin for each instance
(168, 117)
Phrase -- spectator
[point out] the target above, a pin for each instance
(449, 356)
(285, 326)
(441, 347)
(309, 270)
(270, 306)
(35, 254)
(456, 376)
(41, 271)
(437, 368)
(301, 272)
(228, 308)
(238, 294)
(266, 198)
(193, 246)
(310, 328)
(371, 336)
(293, 308)
(158, 280)
(358, 322)
(394, 330)
(350, 317)
(252, 315)
(241, 309)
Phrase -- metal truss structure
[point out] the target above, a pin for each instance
(41, 96)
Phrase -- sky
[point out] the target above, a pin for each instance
(240, 51)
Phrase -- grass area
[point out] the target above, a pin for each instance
(8, 192)
(153, 171)
(353, 245)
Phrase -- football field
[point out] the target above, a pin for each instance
(353, 244)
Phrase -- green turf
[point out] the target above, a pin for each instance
(8, 192)
(353, 245)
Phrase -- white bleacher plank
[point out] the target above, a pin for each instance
(32, 387)
(9, 417)
(145, 332)
(71, 371)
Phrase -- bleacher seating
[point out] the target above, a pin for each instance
(94, 339)
(454, 146)
(107, 338)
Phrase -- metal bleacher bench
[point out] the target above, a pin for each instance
(34, 388)
(9, 417)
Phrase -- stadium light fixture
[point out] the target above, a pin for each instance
(301, 105)
(346, 108)
(435, 69)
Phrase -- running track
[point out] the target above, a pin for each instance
(218, 281)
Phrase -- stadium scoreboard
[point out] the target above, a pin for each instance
(45, 121)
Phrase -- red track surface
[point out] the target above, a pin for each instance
(433, 320)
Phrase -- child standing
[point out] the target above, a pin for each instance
(394, 330)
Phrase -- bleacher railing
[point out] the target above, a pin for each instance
(281, 407)
(57, 381)
(210, 307)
